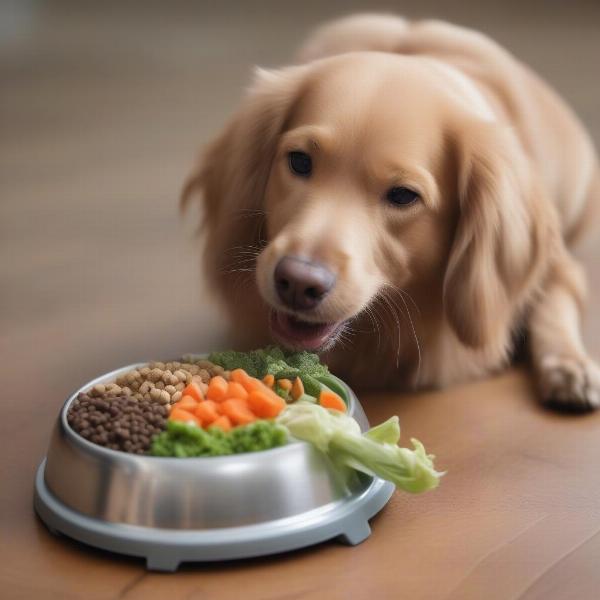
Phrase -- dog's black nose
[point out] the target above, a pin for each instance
(302, 284)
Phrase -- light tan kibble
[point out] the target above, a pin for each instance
(180, 375)
(165, 398)
(179, 386)
(154, 394)
(126, 391)
(166, 376)
(160, 385)
(155, 374)
(204, 375)
(99, 389)
(135, 385)
(170, 389)
(144, 371)
(176, 397)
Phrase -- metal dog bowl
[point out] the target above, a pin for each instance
(171, 510)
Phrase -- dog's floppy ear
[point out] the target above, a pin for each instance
(232, 173)
(503, 240)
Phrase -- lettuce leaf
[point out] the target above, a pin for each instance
(375, 453)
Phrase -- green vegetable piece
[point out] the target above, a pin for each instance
(339, 436)
(307, 398)
(282, 393)
(387, 432)
(257, 436)
(183, 440)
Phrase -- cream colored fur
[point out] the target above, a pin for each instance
(434, 293)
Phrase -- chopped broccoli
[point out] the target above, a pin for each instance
(183, 440)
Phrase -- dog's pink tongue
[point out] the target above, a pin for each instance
(300, 334)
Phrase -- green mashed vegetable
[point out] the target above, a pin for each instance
(186, 441)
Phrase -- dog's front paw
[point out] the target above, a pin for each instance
(570, 383)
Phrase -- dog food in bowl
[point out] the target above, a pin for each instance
(238, 402)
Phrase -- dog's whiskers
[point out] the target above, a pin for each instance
(390, 300)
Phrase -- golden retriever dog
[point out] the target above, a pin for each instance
(403, 200)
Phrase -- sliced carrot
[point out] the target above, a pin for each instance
(187, 403)
(238, 375)
(217, 389)
(236, 390)
(223, 423)
(238, 412)
(193, 390)
(269, 380)
(184, 416)
(207, 412)
(329, 399)
(297, 388)
(251, 384)
(285, 384)
(265, 406)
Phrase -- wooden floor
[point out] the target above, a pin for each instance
(102, 109)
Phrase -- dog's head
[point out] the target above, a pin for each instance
(345, 177)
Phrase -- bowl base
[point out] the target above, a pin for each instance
(166, 549)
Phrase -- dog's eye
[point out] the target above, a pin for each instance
(300, 163)
(401, 196)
